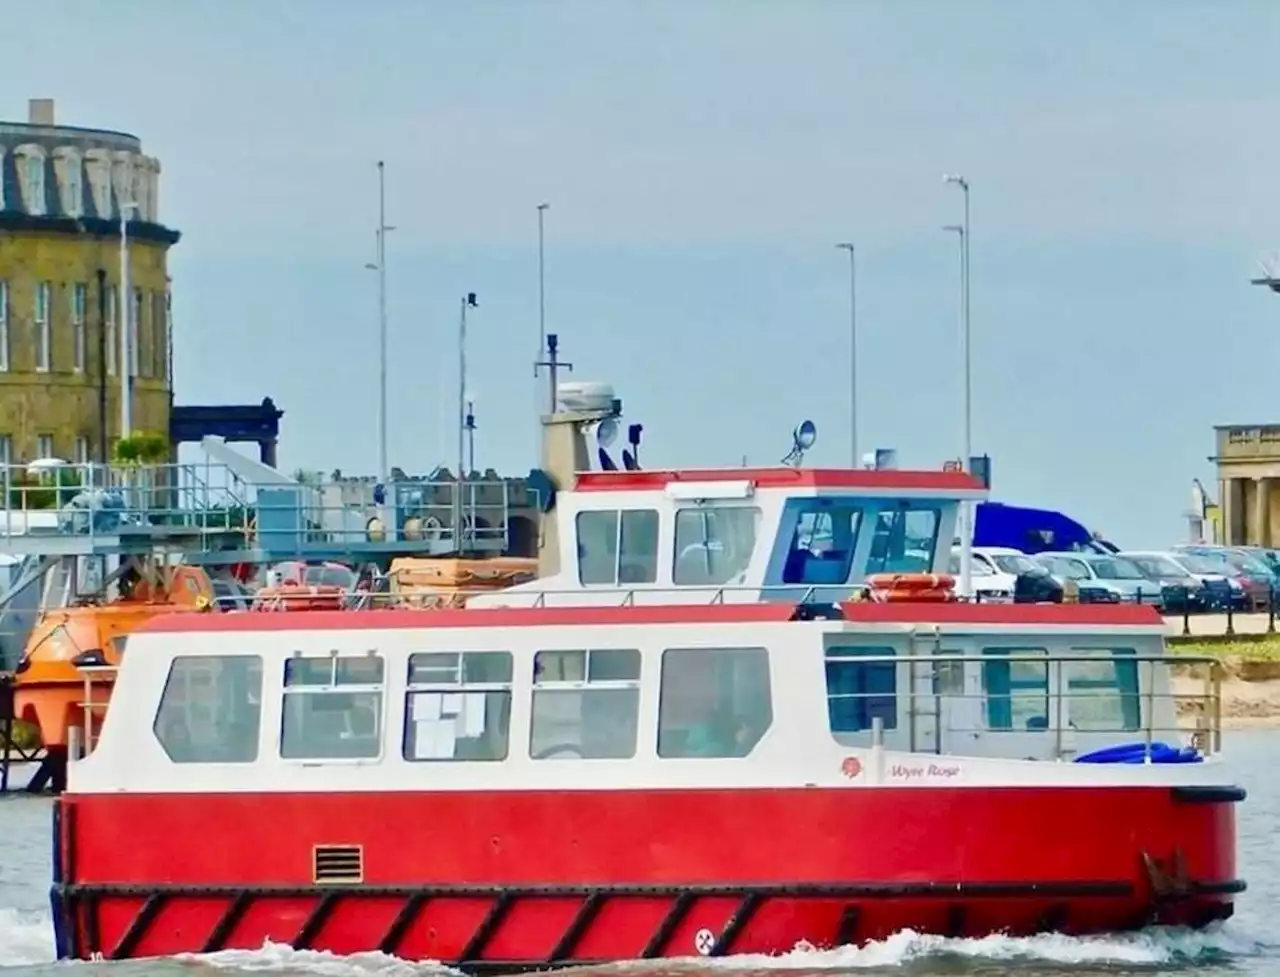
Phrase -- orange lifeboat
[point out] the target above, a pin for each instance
(447, 582)
(307, 587)
(49, 688)
(911, 587)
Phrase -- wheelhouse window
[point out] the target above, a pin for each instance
(905, 541)
(714, 702)
(458, 706)
(332, 708)
(618, 547)
(713, 544)
(1016, 689)
(822, 545)
(862, 686)
(586, 704)
(1102, 694)
(211, 709)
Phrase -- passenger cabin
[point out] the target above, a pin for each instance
(744, 534)
(680, 695)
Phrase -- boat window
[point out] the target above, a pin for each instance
(1017, 692)
(861, 689)
(822, 546)
(332, 708)
(458, 706)
(618, 547)
(1103, 693)
(715, 702)
(713, 544)
(585, 704)
(211, 709)
(904, 541)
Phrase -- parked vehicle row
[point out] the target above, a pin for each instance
(1185, 578)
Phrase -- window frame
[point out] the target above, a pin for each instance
(460, 687)
(79, 306)
(41, 326)
(43, 440)
(163, 704)
(135, 334)
(1018, 688)
(584, 686)
(838, 652)
(111, 339)
(703, 511)
(759, 653)
(334, 687)
(4, 326)
(620, 536)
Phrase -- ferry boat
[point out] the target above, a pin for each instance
(706, 733)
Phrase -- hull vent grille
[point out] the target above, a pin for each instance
(338, 863)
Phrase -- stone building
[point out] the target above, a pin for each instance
(62, 189)
(1248, 461)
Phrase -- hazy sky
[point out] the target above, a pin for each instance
(701, 160)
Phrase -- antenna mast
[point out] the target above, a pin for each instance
(554, 365)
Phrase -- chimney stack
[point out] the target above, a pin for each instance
(40, 111)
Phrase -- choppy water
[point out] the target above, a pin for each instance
(1246, 946)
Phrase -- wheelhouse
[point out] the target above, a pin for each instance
(745, 534)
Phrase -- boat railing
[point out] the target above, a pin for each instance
(98, 679)
(1147, 707)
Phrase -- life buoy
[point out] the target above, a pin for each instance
(912, 586)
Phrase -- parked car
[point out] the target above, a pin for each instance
(1002, 573)
(1183, 590)
(1103, 579)
(1254, 578)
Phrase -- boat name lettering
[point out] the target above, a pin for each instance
(907, 771)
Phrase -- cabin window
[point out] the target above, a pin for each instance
(1017, 692)
(715, 702)
(904, 541)
(210, 709)
(458, 706)
(332, 708)
(586, 704)
(1102, 694)
(822, 546)
(618, 547)
(860, 688)
(713, 544)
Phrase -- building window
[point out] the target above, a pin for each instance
(75, 189)
(1017, 692)
(168, 336)
(904, 541)
(6, 451)
(112, 339)
(211, 709)
(618, 547)
(135, 335)
(4, 326)
(41, 326)
(82, 450)
(1102, 694)
(35, 186)
(714, 544)
(79, 300)
(44, 446)
(861, 687)
(332, 708)
(586, 704)
(159, 335)
(458, 706)
(715, 702)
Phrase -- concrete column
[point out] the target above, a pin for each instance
(1233, 514)
(1262, 511)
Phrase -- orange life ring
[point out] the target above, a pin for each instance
(912, 586)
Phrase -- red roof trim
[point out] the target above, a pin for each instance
(810, 478)
(1080, 615)
(496, 617)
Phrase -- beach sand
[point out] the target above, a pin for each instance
(1250, 693)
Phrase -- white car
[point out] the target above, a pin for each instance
(995, 570)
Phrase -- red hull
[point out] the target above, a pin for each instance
(507, 878)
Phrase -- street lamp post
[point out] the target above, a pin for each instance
(966, 508)
(384, 472)
(853, 353)
(126, 329)
(468, 301)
